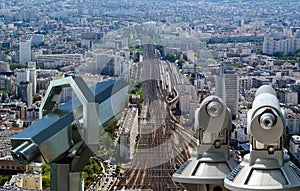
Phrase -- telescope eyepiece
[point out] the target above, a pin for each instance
(214, 109)
(267, 121)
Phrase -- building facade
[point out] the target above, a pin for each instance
(293, 124)
(128, 134)
(295, 146)
(54, 60)
(25, 51)
(24, 92)
(32, 76)
(22, 75)
(272, 46)
(227, 88)
(6, 83)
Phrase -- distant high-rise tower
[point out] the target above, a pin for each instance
(231, 82)
(6, 83)
(22, 74)
(24, 92)
(227, 86)
(32, 76)
(25, 51)
(200, 81)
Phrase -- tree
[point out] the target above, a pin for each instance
(43, 44)
(289, 54)
(118, 169)
(79, 45)
(180, 62)
(259, 51)
(171, 57)
(17, 65)
(91, 170)
(69, 39)
(46, 176)
(280, 54)
(160, 49)
(4, 179)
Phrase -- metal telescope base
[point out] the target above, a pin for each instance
(265, 174)
(205, 174)
(62, 179)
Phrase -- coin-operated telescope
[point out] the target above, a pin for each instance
(266, 167)
(66, 136)
(208, 166)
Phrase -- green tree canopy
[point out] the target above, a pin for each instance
(17, 65)
(181, 61)
(46, 176)
(4, 179)
(171, 57)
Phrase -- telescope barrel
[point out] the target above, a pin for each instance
(266, 122)
(265, 96)
(51, 136)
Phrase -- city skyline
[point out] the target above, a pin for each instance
(173, 54)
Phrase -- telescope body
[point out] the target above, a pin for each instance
(208, 166)
(266, 167)
(58, 131)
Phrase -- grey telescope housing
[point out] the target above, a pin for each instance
(267, 167)
(266, 122)
(208, 166)
(68, 133)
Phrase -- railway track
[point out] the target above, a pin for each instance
(163, 144)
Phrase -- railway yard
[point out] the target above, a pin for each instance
(164, 144)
